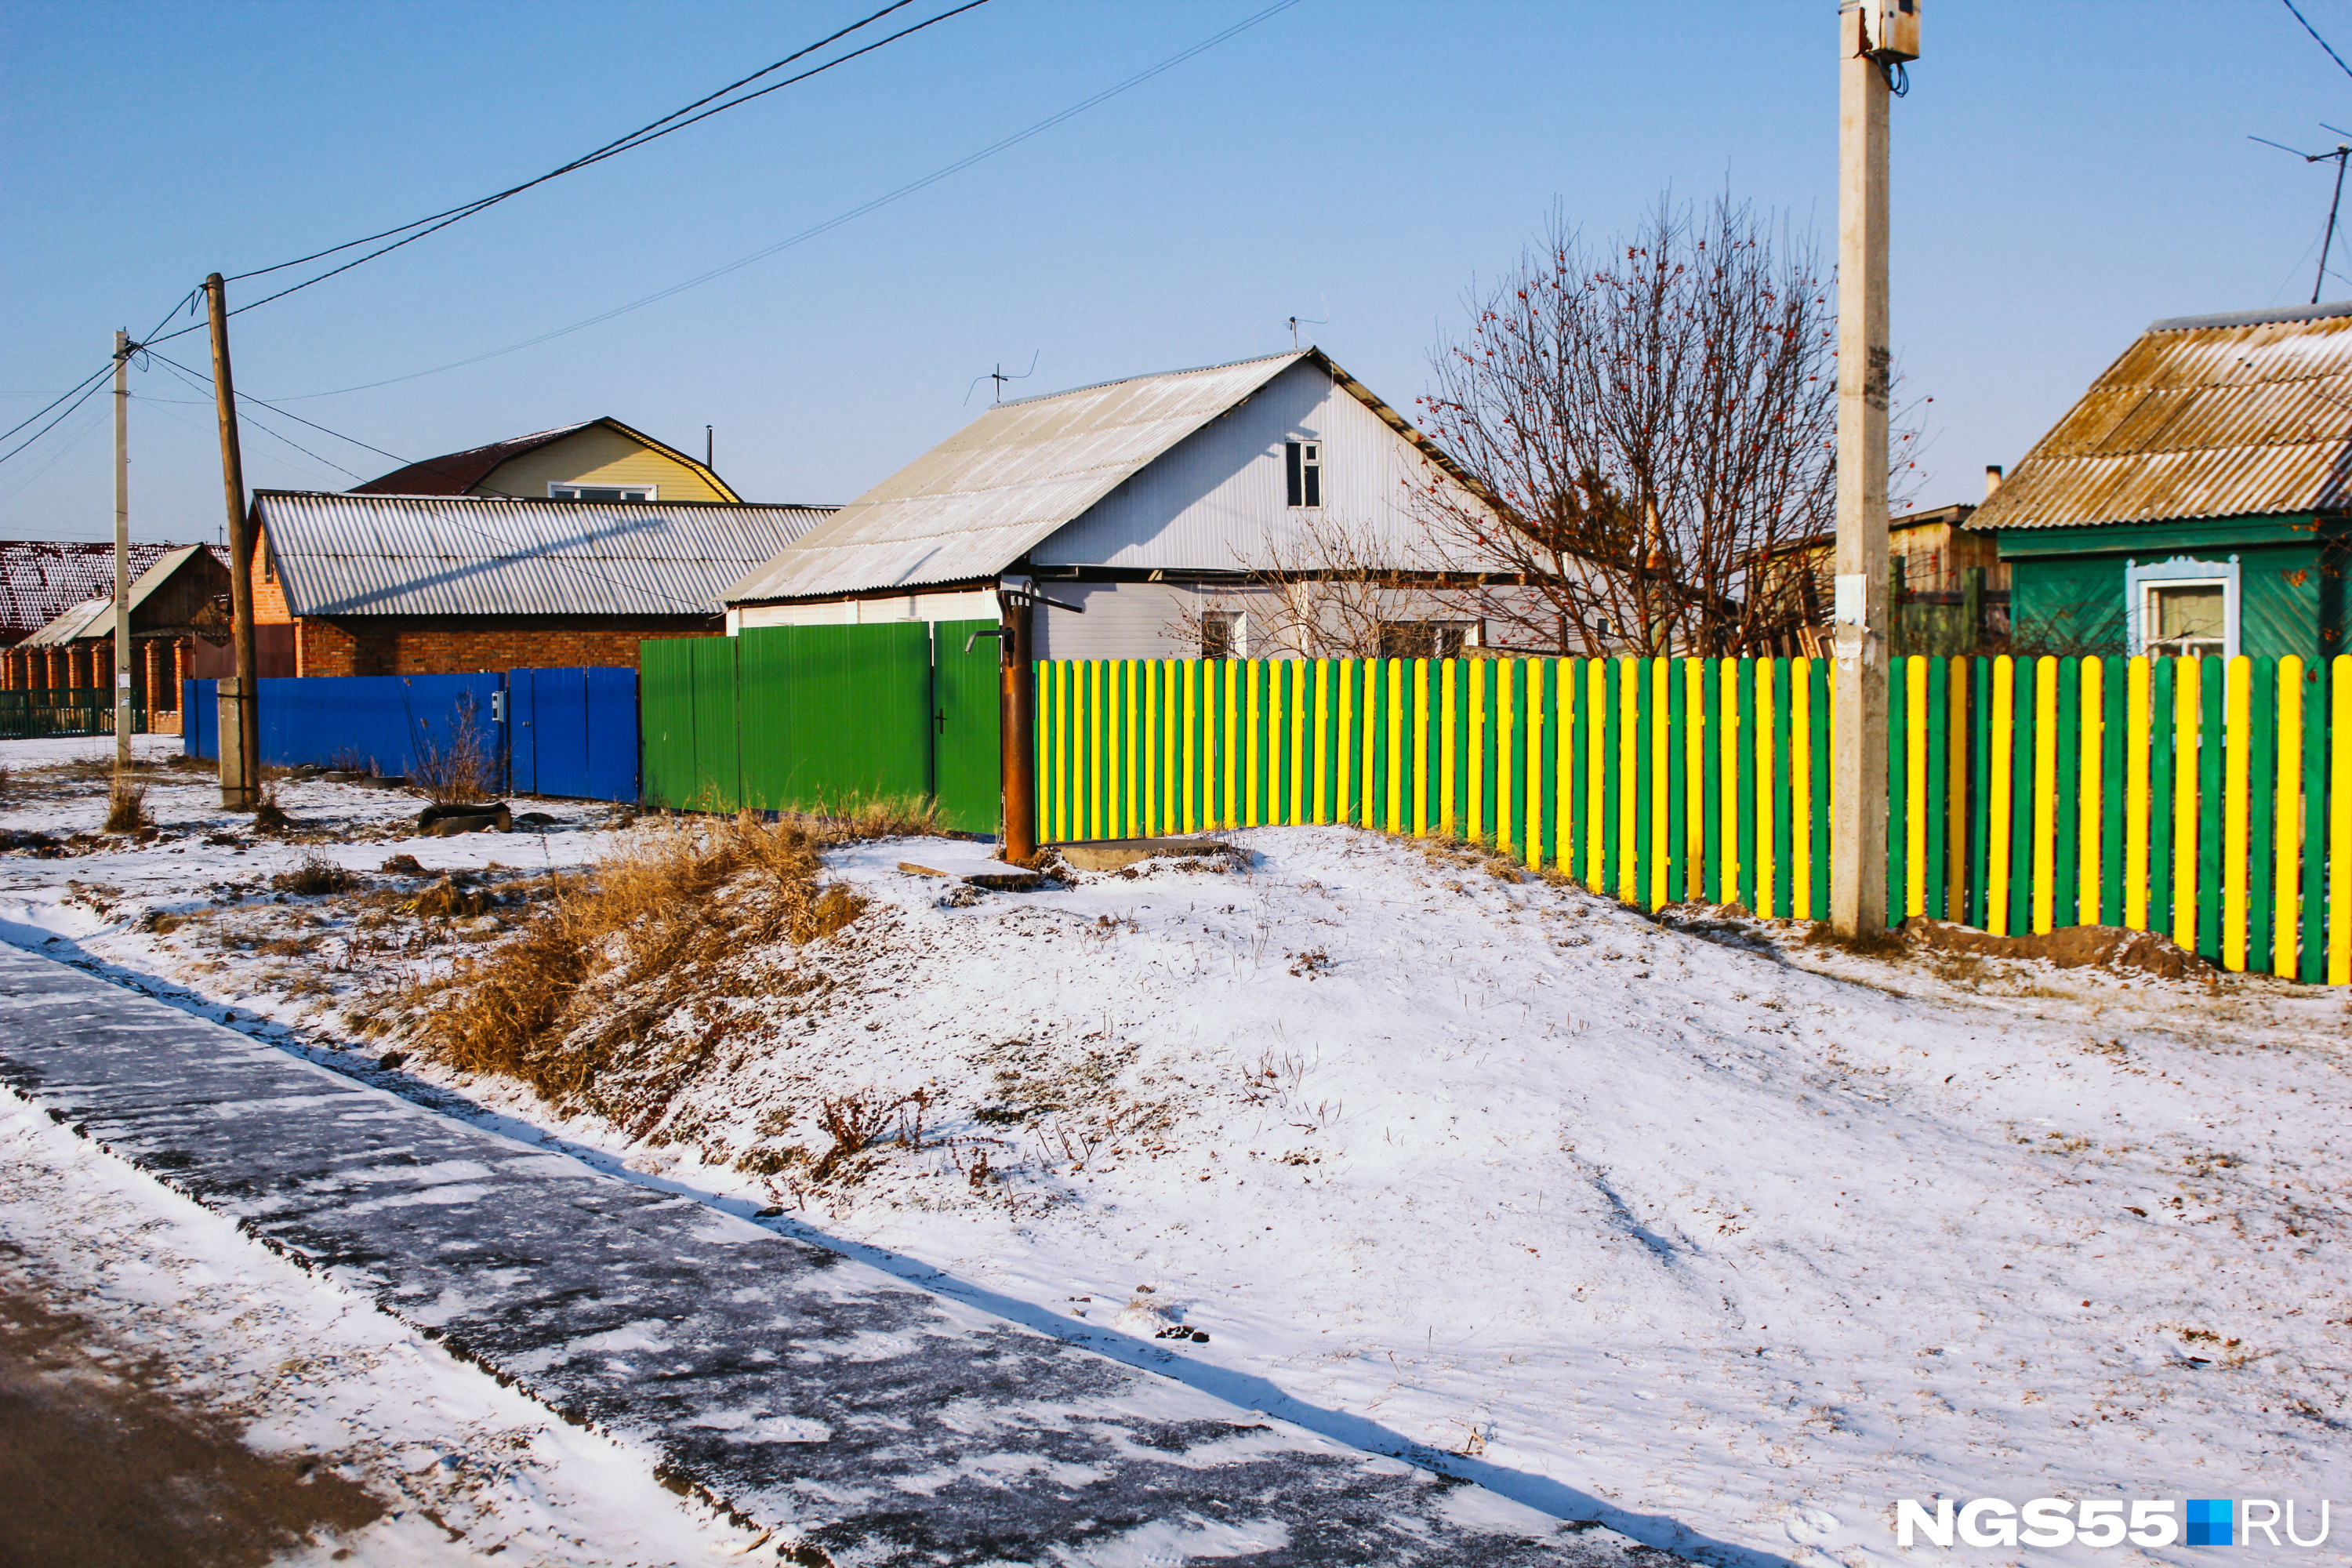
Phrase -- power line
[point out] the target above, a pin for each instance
(650, 131)
(608, 148)
(854, 213)
(193, 376)
(2315, 39)
(635, 140)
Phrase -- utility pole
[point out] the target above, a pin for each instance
(122, 556)
(240, 732)
(1874, 38)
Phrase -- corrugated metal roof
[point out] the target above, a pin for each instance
(41, 578)
(2202, 417)
(984, 497)
(95, 617)
(340, 555)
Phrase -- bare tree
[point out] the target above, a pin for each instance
(1650, 420)
(1322, 585)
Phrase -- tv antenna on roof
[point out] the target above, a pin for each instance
(998, 376)
(2338, 157)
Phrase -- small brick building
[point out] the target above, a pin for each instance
(392, 584)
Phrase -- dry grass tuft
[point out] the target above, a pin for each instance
(1874, 944)
(126, 807)
(576, 1003)
(269, 816)
(454, 768)
(316, 875)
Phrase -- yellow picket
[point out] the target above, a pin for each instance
(1728, 828)
(1564, 746)
(1800, 789)
(1596, 773)
(1915, 776)
(2186, 686)
(2044, 821)
(2339, 823)
(1999, 808)
(2136, 698)
(1956, 798)
(2091, 797)
(1661, 783)
(2237, 807)
(2289, 921)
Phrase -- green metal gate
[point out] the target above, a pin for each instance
(824, 718)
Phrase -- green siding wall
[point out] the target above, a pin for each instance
(2066, 585)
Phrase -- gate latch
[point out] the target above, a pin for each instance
(498, 707)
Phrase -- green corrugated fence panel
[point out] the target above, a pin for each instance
(967, 703)
(717, 771)
(666, 720)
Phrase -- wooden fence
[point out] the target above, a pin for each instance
(2211, 800)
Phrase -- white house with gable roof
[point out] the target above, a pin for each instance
(1145, 506)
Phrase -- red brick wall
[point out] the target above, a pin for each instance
(466, 646)
(268, 595)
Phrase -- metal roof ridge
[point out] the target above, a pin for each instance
(359, 498)
(1155, 375)
(2253, 318)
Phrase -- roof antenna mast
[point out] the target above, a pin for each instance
(2343, 151)
(1000, 378)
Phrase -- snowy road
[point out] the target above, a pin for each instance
(874, 1422)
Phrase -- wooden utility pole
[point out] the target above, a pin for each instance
(1871, 45)
(121, 554)
(1017, 725)
(240, 732)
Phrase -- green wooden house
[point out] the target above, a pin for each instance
(2197, 499)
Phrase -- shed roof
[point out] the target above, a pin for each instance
(2232, 416)
(455, 473)
(94, 617)
(343, 554)
(41, 578)
(986, 496)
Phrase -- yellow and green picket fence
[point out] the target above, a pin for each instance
(2207, 799)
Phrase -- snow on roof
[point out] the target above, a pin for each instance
(2233, 415)
(42, 578)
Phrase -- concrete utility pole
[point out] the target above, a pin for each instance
(122, 554)
(1875, 37)
(240, 732)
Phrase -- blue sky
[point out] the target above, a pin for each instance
(2063, 174)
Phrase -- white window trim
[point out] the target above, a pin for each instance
(1322, 477)
(2180, 572)
(652, 492)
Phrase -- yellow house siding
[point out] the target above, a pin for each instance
(599, 456)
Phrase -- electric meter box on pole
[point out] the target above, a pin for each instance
(1891, 29)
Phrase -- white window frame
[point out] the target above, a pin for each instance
(1310, 456)
(2180, 572)
(652, 492)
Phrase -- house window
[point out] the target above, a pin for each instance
(1221, 634)
(601, 492)
(1302, 461)
(2182, 606)
(2183, 618)
(1427, 639)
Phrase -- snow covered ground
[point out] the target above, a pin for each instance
(1728, 1241)
(461, 1468)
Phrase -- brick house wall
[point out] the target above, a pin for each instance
(458, 645)
(469, 644)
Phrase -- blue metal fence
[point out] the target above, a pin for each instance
(548, 731)
(572, 732)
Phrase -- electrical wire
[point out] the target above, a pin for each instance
(460, 213)
(77, 386)
(194, 377)
(95, 385)
(854, 213)
(617, 144)
(2315, 39)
